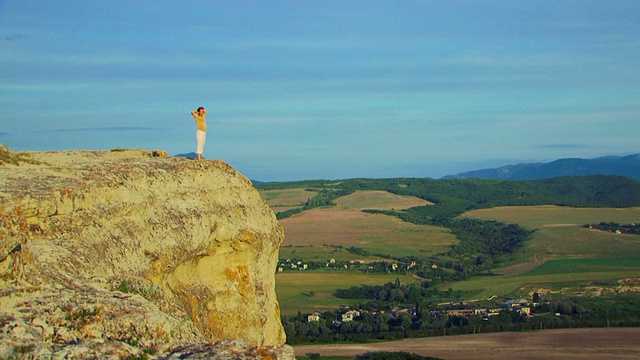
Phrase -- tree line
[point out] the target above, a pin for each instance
(615, 227)
(395, 311)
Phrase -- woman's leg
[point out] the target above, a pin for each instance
(201, 137)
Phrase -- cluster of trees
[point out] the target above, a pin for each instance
(614, 227)
(380, 322)
(390, 293)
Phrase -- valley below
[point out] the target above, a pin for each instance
(365, 247)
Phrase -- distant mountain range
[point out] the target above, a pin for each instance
(628, 166)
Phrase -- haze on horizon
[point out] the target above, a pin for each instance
(304, 89)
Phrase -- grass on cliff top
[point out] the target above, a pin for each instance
(8, 157)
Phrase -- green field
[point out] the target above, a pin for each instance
(524, 285)
(545, 215)
(561, 250)
(283, 200)
(313, 291)
(560, 233)
(571, 266)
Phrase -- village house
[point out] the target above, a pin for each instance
(516, 302)
(461, 312)
(349, 315)
(522, 310)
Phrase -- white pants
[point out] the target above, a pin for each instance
(201, 136)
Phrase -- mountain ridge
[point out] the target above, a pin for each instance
(628, 166)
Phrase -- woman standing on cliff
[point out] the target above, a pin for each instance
(201, 133)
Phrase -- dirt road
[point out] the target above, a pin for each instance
(601, 343)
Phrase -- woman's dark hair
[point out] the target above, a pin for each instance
(200, 108)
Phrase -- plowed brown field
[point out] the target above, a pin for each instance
(601, 343)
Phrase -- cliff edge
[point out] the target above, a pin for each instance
(133, 254)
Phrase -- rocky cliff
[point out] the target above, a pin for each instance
(134, 254)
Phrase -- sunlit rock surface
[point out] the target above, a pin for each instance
(131, 253)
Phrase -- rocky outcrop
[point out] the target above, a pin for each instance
(131, 254)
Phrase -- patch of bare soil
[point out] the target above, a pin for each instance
(600, 343)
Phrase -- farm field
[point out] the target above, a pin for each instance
(546, 215)
(560, 235)
(582, 344)
(523, 285)
(325, 233)
(380, 200)
(376, 233)
(544, 264)
(282, 200)
(561, 251)
(570, 266)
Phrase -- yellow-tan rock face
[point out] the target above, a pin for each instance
(123, 246)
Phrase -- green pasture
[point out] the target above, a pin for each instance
(560, 233)
(562, 242)
(561, 251)
(487, 286)
(570, 266)
(313, 291)
(547, 215)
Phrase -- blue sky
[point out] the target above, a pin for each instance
(325, 89)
